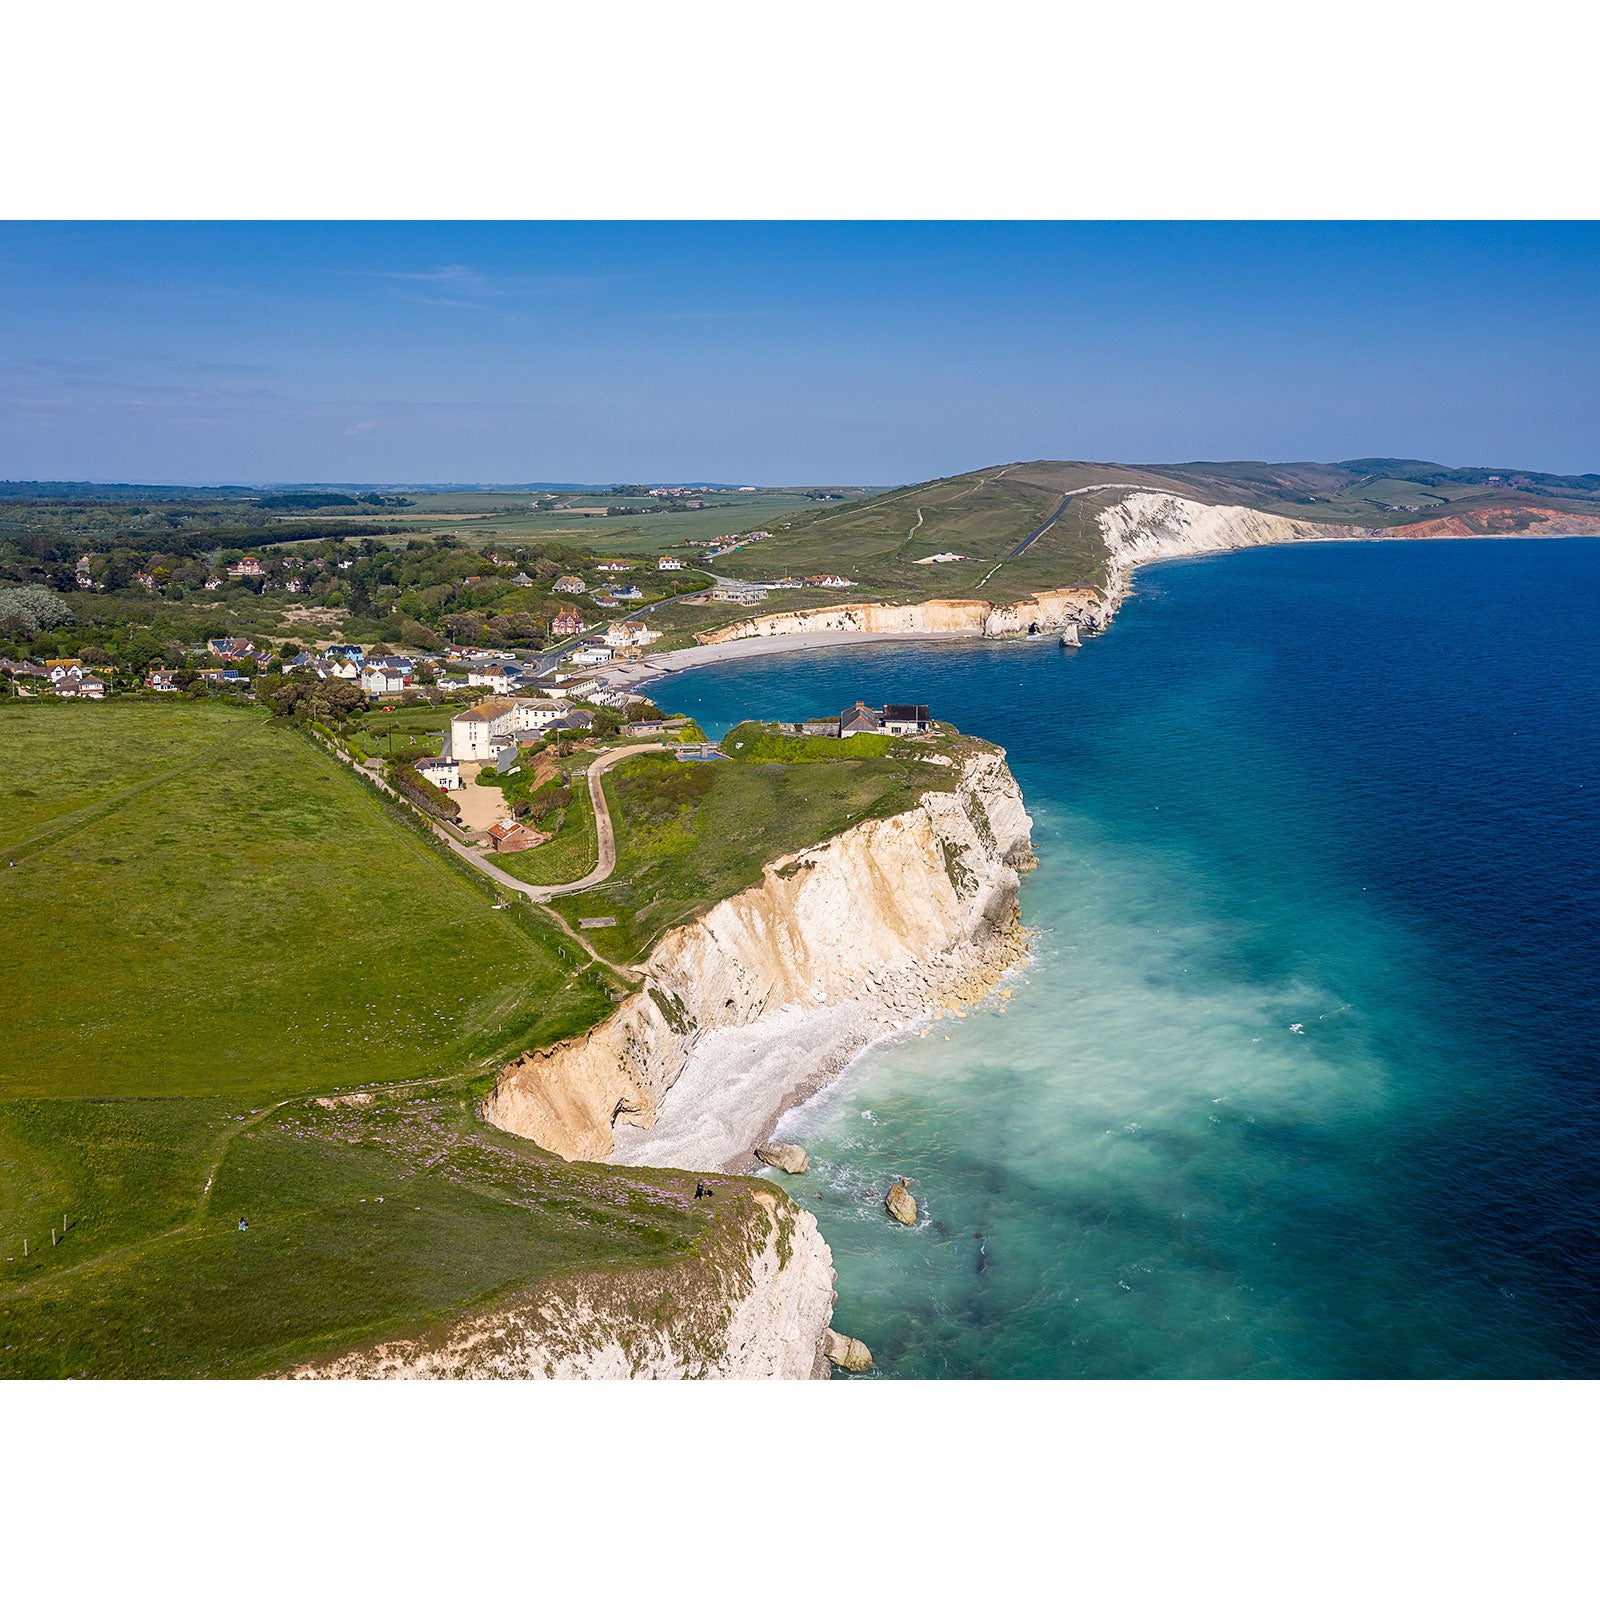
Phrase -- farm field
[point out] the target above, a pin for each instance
(211, 929)
(494, 517)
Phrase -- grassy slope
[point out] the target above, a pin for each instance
(982, 515)
(209, 925)
(690, 834)
(240, 918)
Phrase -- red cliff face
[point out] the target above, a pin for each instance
(1527, 522)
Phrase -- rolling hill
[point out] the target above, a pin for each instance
(1036, 526)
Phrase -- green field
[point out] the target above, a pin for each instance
(210, 926)
(480, 518)
(878, 544)
(690, 833)
(404, 730)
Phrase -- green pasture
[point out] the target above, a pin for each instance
(363, 1222)
(879, 543)
(209, 927)
(237, 915)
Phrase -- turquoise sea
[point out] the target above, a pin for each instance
(1304, 1080)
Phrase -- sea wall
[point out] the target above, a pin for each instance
(1043, 613)
(755, 1304)
(895, 918)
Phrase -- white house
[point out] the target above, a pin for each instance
(473, 733)
(569, 585)
(489, 675)
(669, 564)
(628, 635)
(376, 679)
(440, 771)
(628, 591)
(591, 655)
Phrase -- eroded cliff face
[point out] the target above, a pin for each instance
(895, 918)
(754, 1305)
(1045, 612)
(1147, 526)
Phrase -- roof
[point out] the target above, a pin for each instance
(906, 714)
(484, 711)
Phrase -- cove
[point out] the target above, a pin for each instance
(1304, 1077)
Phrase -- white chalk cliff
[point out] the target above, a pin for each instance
(756, 1304)
(895, 918)
(1148, 526)
(1044, 612)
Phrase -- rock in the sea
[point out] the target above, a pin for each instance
(900, 1205)
(785, 1157)
(845, 1352)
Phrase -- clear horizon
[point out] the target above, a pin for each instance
(784, 354)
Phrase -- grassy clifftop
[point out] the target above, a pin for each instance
(690, 834)
(881, 543)
(236, 985)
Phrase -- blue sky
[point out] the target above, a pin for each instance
(795, 353)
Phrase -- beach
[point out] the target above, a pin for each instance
(740, 1081)
(632, 674)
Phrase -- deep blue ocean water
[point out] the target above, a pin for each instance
(1304, 1080)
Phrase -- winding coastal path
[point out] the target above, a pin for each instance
(602, 824)
(536, 892)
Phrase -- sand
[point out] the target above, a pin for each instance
(740, 1081)
(629, 674)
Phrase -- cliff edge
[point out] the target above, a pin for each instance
(754, 1305)
(758, 1002)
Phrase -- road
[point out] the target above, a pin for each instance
(538, 893)
(602, 827)
(1072, 494)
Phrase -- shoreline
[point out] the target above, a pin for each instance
(740, 1084)
(715, 1115)
(633, 674)
(630, 674)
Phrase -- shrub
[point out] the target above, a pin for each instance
(31, 609)
(416, 788)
